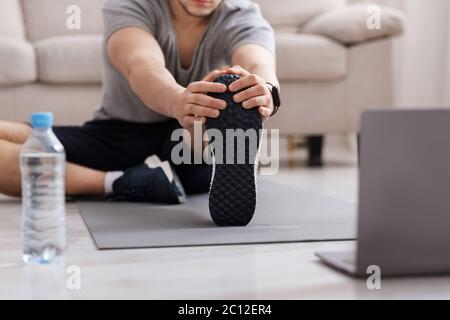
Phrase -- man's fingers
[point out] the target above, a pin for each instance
(260, 101)
(207, 101)
(205, 86)
(189, 121)
(265, 112)
(235, 70)
(213, 75)
(216, 73)
(245, 82)
(258, 90)
(239, 71)
(226, 70)
(202, 111)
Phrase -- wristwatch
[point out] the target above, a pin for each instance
(275, 98)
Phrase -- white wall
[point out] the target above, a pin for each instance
(422, 55)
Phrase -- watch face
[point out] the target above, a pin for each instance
(276, 96)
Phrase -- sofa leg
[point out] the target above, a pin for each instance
(315, 146)
(358, 147)
(292, 148)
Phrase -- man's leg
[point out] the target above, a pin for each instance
(9, 168)
(15, 132)
(195, 178)
(84, 181)
(79, 180)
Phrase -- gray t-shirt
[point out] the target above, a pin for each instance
(234, 23)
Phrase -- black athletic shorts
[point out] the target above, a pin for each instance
(114, 145)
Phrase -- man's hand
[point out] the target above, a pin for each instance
(193, 104)
(255, 91)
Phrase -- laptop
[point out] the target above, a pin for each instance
(404, 195)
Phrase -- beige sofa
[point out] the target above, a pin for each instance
(331, 65)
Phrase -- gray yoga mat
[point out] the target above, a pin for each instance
(283, 214)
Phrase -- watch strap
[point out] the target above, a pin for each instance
(275, 98)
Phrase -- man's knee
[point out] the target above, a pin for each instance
(15, 132)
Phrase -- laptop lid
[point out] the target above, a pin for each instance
(404, 192)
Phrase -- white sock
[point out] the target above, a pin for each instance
(109, 180)
(154, 162)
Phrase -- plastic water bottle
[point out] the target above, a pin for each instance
(42, 162)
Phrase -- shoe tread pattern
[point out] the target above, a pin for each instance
(232, 197)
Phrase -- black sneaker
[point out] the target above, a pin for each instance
(152, 181)
(232, 195)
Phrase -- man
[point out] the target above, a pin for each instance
(158, 57)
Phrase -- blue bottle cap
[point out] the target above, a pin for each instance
(42, 120)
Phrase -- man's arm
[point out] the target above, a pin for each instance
(256, 65)
(138, 56)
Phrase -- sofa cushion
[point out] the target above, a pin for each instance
(17, 63)
(11, 20)
(309, 58)
(70, 59)
(349, 25)
(48, 18)
(282, 13)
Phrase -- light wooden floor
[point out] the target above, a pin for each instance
(276, 271)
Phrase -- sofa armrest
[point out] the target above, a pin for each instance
(17, 62)
(357, 23)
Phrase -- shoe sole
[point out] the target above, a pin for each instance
(232, 196)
